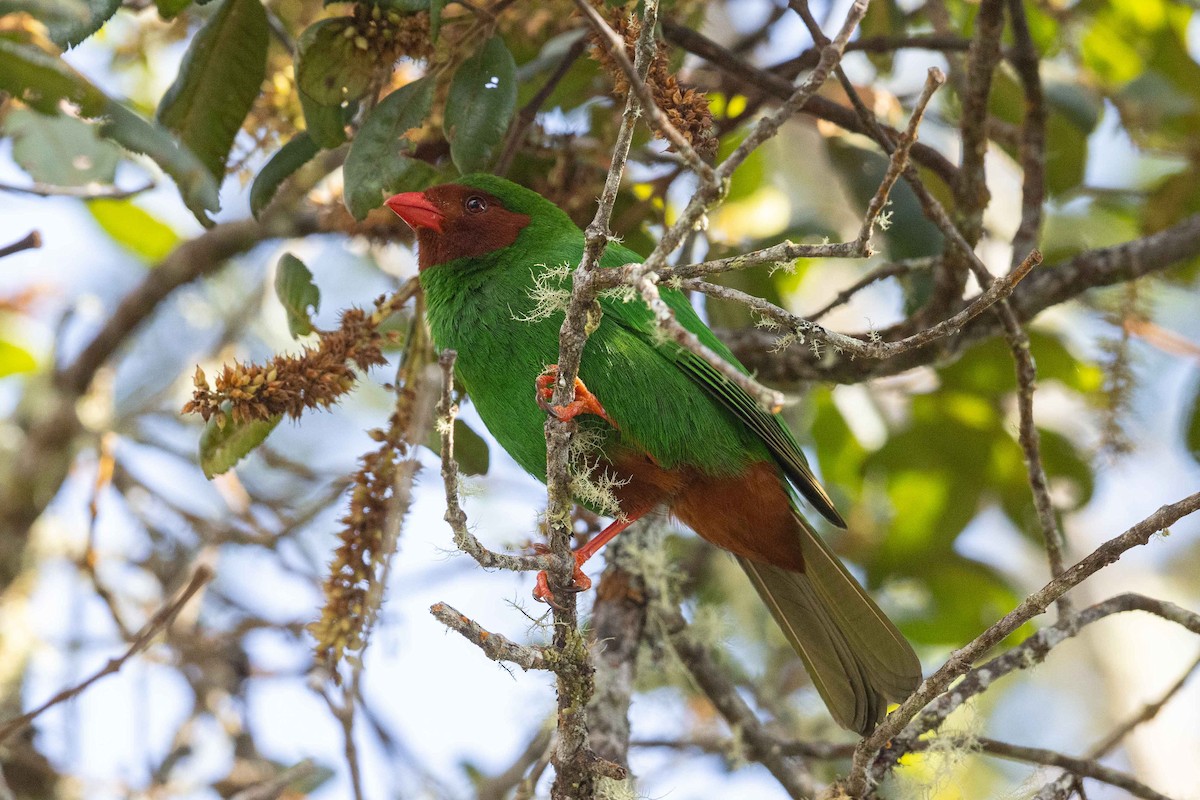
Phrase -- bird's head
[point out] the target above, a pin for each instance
(462, 220)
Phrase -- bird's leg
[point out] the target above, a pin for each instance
(579, 581)
(584, 403)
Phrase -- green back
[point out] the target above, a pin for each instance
(485, 309)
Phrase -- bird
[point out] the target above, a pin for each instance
(668, 428)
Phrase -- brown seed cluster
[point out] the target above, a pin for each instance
(352, 590)
(686, 109)
(391, 34)
(316, 378)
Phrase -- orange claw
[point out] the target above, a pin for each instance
(584, 403)
(579, 581)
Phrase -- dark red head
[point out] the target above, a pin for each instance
(455, 221)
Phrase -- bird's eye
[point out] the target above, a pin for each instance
(475, 204)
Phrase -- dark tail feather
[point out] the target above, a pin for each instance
(856, 658)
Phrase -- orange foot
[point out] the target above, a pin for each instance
(584, 403)
(579, 581)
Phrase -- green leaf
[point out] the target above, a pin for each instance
(299, 150)
(296, 291)
(435, 18)
(470, 449)
(15, 360)
(909, 234)
(965, 597)
(60, 150)
(196, 184)
(376, 165)
(221, 447)
(134, 228)
(335, 63)
(169, 9)
(325, 124)
(219, 79)
(751, 175)
(41, 80)
(68, 22)
(482, 99)
(1192, 434)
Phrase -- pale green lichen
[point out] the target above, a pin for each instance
(591, 484)
(551, 292)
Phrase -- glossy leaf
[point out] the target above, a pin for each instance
(376, 165)
(134, 228)
(222, 447)
(68, 22)
(299, 150)
(325, 124)
(42, 81)
(196, 184)
(60, 150)
(334, 64)
(296, 291)
(482, 99)
(219, 79)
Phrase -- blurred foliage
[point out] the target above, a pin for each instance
(352, 102)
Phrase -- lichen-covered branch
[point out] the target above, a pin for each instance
(455, 516)
(493, 645)
(799, 329)
(875, 746)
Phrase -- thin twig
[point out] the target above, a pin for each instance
(577, 768)
(791, 773)
(1083, 767)
(159, 622)
(893, 269)
(643, 277)
(529, 111)
(1036, 603)
(781, 88)
(1145, 714)
(636, 77)
(31, 241)
(1028, 654)
(801, 328)
(494, 646)
(899, 158)
(343, 712)
(1026, 61)
(90, 192)
(457, 518)
(1043, 289)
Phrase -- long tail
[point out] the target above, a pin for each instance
(856, 658)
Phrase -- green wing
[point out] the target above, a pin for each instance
(637, 318)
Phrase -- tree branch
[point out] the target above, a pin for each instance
(159, 622)
(1045, 288)
(960, 661)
